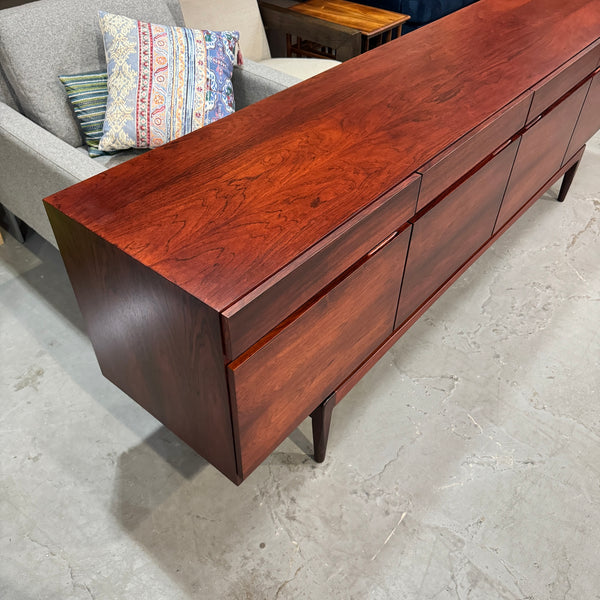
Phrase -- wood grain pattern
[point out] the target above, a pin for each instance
(282, 382)
(589, 118)
(367, 19)
(158, 344)
(245, 322)
(541, 153)
(222, 210)
(448, 167)
(446, 235)
(566, 77)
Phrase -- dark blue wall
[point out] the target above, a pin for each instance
(421, 11)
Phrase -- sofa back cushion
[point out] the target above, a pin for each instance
(231, 15)
(6, 94)
(48, 38)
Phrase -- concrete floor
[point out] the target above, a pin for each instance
(465, 465)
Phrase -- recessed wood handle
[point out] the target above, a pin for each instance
(385, 242)
(530, 125)
(501, 147)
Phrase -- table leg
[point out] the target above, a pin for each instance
(321, 420)
(567, 181)
(364, 44)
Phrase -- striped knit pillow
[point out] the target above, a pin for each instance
(87, 94)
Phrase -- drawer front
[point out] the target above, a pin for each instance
(449, 166)
(541, 154)
(278, 384)
(448, 234)
(252, 318)
(589, 119)
(565, 78)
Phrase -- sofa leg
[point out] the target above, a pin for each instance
(567, 181)
(321, 420)
(12, 224)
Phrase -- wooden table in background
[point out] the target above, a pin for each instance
(376, 25)
(327, 28)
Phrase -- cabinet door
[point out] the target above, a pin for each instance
(541, 154)
(449, 233)
(283, 378)
(589, 119)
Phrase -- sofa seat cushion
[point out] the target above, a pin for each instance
(115, 158)
(42, 40)
(302, 68)
(163, 81)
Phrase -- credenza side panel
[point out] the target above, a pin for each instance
(448, 234)
(158, 344)
(280, 383)
(541, 153)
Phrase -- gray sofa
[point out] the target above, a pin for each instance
(41, 147)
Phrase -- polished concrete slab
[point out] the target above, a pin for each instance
(465, 465)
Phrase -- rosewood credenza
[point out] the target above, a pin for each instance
(245, 277)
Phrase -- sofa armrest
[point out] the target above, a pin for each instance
(253, 81)
(35, 164)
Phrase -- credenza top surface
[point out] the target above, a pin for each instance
(225, 208)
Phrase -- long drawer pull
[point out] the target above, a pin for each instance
(500, 148)
(596, 71)
(530, 125)
(385, 242)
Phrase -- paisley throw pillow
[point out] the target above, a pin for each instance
(163, 81)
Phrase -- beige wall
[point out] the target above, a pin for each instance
(239, 15)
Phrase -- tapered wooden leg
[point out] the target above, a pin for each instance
(567, 181)
(13, 226)
(321, 420)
